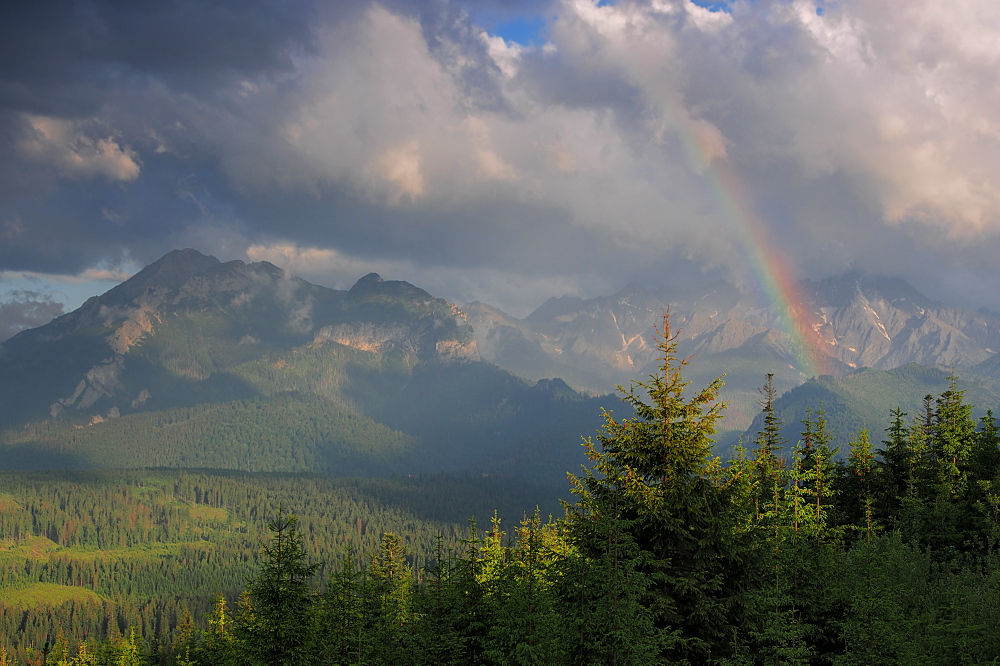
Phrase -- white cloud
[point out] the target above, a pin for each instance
(400, 167)
(906, 93)
(65, 146)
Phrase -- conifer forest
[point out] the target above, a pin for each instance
(784, 552)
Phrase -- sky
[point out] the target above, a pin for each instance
(500, 150)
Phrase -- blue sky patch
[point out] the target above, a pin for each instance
(527, 30)
(714, 5)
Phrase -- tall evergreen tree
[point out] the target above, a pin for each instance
(387, 610)
(338, 617)
(953, 440)
(895, 466)
(857, 486)
(440, 634)
(792, 527)
(526, 629)
(657, 471)
(274, 628)
(602, 588)
(986, 451)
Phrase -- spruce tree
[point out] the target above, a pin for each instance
(954, 440)
(986, 451)
(602, 587)
(440, 627)
(526, 630)
(895, 467)
(387, 608)
(338, 618)
(657, 471)
(274, 628)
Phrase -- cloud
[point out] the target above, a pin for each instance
(633, 145)
(400, 167)
(519, 293)
(21, 309)
(911, 89)
(64, 146)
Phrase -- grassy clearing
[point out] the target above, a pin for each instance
(41, 548)
(142, 552)
(41, 595)
(35, 548)
(207, 512)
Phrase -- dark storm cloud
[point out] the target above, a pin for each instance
(87, 88)
(63, 57)
(23, 309)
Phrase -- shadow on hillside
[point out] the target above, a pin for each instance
(32, 457)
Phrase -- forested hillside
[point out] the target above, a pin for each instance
(863, 399)
(90, 554)
(782, 554)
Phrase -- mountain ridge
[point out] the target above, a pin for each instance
(467, 386)
(854, 321)
(268, 361)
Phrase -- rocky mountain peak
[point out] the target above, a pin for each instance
(843, 290)
(367, 283)
(189, 317)
(373, 284)
(170, 271)
(554, 308)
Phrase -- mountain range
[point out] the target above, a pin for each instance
(855, 321)
(198, 363)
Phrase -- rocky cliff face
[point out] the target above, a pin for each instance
(885, 323)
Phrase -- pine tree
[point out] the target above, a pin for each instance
(218, 646)
(767, 464)
(339, 629)
(602, 593)
(127, 651)
(387, 609)
(953, 440)
(857, 486)
(658, 472)
(986, 451)
(526, 630)
(895, 467)
(274, 628)
(788, 523)
(442, 628)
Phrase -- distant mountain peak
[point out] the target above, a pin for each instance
(171, 270)
(373, 284)
(554, 307)
(367, 282)
(186, 261)
(841, 290)
(182, 324)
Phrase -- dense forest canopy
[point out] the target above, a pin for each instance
(782, 554)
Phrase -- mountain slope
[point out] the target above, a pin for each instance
(384, 377)
(864, 400)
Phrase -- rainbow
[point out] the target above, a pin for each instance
(767, 267)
